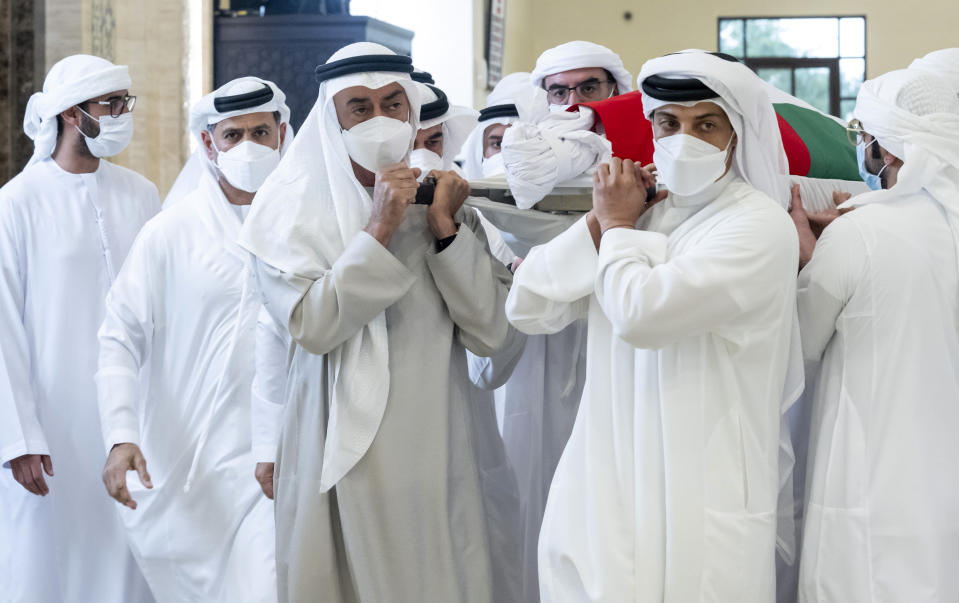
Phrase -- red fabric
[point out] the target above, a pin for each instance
(626, 126)
(796, 151)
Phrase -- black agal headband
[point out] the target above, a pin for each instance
(422, 77)
(681, 89)
(363, 64)
(498, 111)
(247, 100)
(436, 108)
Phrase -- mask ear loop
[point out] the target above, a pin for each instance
(884, 166)
(77, 128)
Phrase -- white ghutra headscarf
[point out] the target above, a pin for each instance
(760, 158)
(70, 81)
(204, 113)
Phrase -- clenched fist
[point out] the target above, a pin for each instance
(619, 193)
(394, 190)
(450, 193)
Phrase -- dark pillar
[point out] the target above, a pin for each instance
(21, 74)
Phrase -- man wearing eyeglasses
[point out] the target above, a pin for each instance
(878, 304)
(66, 224)
(580, 72)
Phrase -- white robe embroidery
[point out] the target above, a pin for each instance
(667, 489)
(62, 238)
(179, 324)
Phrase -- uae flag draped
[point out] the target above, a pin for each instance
(815, 143)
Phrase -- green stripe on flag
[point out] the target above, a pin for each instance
(831, 155)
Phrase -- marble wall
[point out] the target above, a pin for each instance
(18, 79)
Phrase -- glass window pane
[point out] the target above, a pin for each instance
(817, 37)
(852, 37)
(780, 78)
(731, 37)
(851, 73)
(812, 85)
(845, 109)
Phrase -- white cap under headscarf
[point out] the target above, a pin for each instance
(943, 63)
(303, 217)
(204, 113)
(760, 158)
(70, 81)
(458, 122)
(915, 116)
(514, 89)
(581, 55)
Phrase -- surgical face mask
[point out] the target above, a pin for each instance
(378, 142)
(247, 165)
(687, 165)
(115, 134)
(426, 160)
(873, 181)
(559, 108)
(494, 166)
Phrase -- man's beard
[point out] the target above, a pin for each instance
(87, 125)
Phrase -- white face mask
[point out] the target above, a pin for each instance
(559, 108)
(378, 142)
(247, 165)
(115, 134)
(494, 166)
(426, 160)
(687, 165)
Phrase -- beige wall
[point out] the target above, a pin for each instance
(896, 32)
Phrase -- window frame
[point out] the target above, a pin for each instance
(792, 63)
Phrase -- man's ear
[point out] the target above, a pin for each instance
(207, 139)
(282, 134)
(71, 116)
(887, 157)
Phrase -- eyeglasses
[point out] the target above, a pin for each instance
(117, 104)
(856, 133)
(590, 90)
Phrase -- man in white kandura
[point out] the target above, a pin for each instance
(66, 224)
(176, 363)
(541, 399)
(668, 487)
(878, 307)
(377, 481)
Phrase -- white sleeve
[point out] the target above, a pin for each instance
(273, 347)
(652, 301)
(827, 282)
(126, 338)
(552, 286)
(20, 430)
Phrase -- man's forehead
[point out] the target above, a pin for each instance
(700, 109)
(574, 76)
(437, 129)
(495, 130)
(362, 93)
(249, 120)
